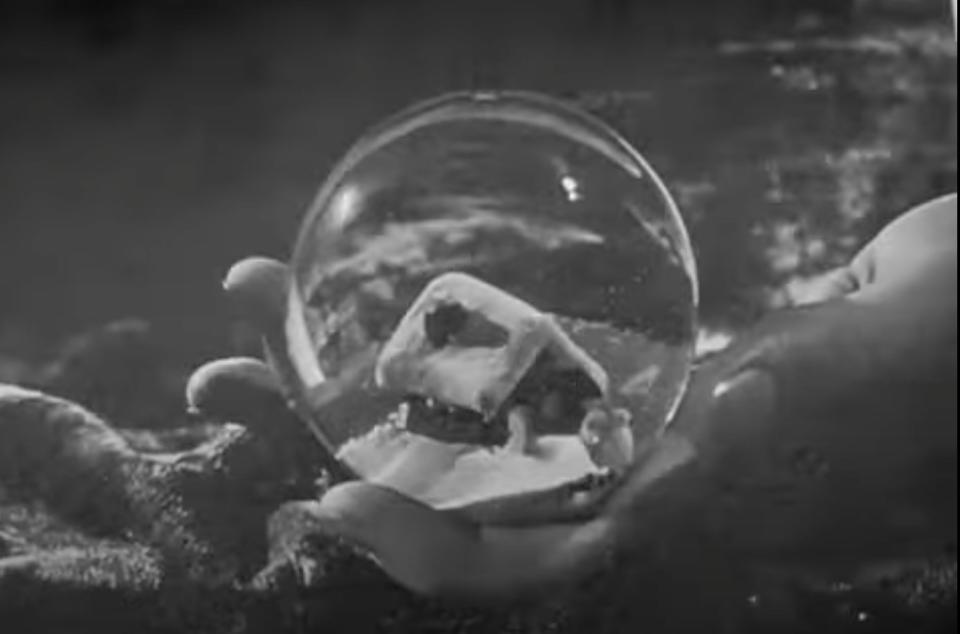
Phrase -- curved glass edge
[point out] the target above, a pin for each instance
(526, 107)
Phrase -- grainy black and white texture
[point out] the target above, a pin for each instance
(146, 145)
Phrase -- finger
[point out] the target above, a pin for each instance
(257, 286)
(895, 314)
(824, 430)
(842, 481)
(246, 391)
(786, 377)
(576, 501)
(441, 554)
(722, 433)
(818, 354)
(235, 389)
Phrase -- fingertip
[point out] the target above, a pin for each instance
(258, 286)
(214, 385)
(254, 272)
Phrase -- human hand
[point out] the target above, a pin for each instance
(881, 321)
(829, 430)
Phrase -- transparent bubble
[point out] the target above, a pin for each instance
(491, 294)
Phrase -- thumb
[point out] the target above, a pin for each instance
(844, 355)
(803, 356)
(890, 316)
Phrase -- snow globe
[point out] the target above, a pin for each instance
(492, 294)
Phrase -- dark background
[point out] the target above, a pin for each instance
(145, 145)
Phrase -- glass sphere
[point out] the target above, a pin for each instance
(492, 294)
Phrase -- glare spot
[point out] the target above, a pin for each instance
(572, 188)
(345, 205)
(712, 341)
